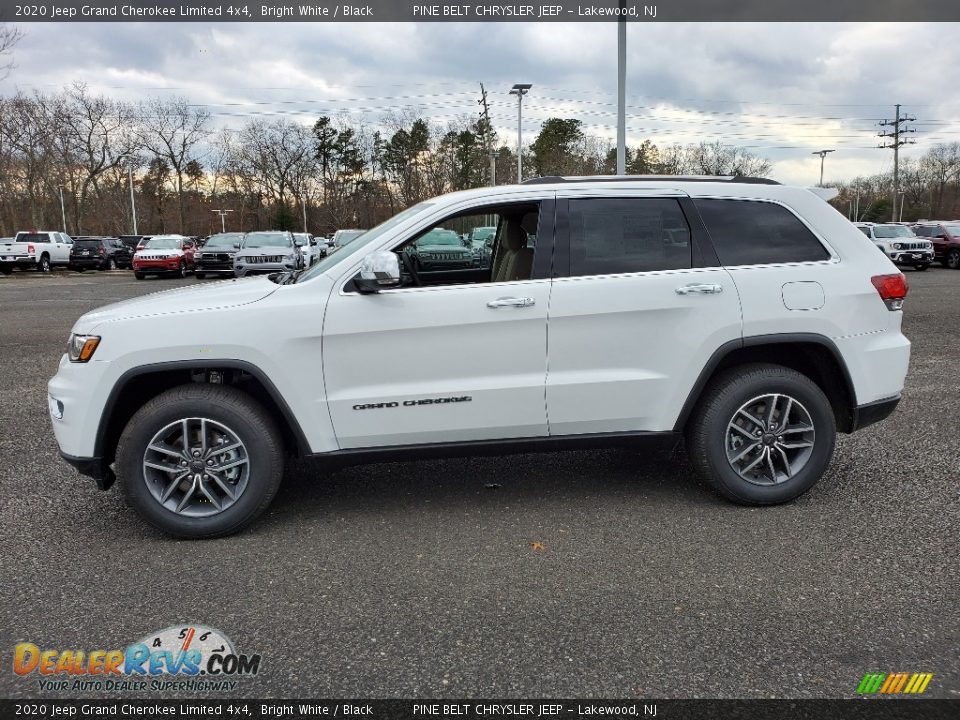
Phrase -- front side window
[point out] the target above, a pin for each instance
(627, 235)
(751, 232)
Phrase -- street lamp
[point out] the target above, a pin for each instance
(520, 89)
(223, 216)
(822, 154)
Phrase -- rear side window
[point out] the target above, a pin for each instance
(865, 231)
(750, 232)
(627, 235)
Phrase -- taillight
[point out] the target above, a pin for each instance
(892, 289)
(31, 248)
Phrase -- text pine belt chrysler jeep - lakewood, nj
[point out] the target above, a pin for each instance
(749, 318)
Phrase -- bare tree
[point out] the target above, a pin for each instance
(10, 35)
(171, 130)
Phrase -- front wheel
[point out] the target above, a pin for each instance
(182, 270)
(199, 275)
(200, 461)
(762, 434)
(138, 275)
(921, 268)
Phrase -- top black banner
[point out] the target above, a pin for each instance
(200, 11)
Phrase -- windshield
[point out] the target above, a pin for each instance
(368, 237)
(163, 243)
(267, 239)
(348, 236)
(223, 240)
(892, 231)
(439, 237)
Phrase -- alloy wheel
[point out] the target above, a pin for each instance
(769, 439)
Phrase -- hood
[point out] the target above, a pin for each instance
(196, 298)
(444, 248)
(162, 253)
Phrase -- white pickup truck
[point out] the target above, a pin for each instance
(40, 249)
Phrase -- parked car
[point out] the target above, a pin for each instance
(945, 236)
(307, 245)
(730, 342)
(481, 241)
(342, 238)
(439, 250)
(217, 254)
(899, 243)
(267, 252)
(164, 255)
(38, 249)
(99, 253)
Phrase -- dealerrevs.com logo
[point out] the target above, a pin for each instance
(894, 683)
(177, 658)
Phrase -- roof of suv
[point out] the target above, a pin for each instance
(557, 179)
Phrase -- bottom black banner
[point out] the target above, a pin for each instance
(883, 709)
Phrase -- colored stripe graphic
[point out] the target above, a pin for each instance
(894, 683)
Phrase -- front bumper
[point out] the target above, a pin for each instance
(94, 468)
(911, 257)
(156, 266)
(211, 266)
(243, 269)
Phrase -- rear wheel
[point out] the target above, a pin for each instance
(111, 264)
(762, 434)
(953, 259)
(200, 461)
(43, 264)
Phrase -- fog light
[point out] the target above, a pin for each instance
(56, 407)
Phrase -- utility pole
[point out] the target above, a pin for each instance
(133, 205)
(488, 135)
(822, 154)
(622, 90)
(303, 204)
(223, 216)
(520, 89)
(896, 143)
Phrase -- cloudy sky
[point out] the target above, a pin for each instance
(783, 90)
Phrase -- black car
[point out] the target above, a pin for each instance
(216, 255)
(99, 253)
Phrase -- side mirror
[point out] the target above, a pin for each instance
(298, 243)
(236, 246)
(378, 270)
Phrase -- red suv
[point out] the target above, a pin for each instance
(163, 255)
(945, 236)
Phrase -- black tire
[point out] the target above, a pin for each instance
(111, 264)
(708, 427)
(182, 270)
(251, 423)
(953, 259)
(6, 270)
(920, 268)
(80, 269)
(199, 275)
(138, 275)
(43, 264)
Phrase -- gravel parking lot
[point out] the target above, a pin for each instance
(567, 575)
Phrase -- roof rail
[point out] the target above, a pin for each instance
(556, 179)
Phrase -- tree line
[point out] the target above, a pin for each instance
(75, 155)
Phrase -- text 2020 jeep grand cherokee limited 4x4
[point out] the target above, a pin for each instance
(747, 317)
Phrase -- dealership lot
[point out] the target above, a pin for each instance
(575, 574)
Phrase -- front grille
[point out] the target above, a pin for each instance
(259, 259)
(913, 246)
(444, 256)
(156, 257)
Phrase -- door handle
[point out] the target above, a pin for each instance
(704, 289)
(511, 302)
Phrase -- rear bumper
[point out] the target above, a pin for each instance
(865, 415)
(87, 262)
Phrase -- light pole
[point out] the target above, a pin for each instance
(63, 211)
(622, 90)
(822, 154)
(520, 89)
(223, 220)
(902, 194)
(133, 205)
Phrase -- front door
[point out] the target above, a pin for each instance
(459, 357)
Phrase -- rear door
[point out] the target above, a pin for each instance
(638, 305)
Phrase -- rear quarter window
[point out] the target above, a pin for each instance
(755, 232)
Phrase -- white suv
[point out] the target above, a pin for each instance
(747, 317)
(899, 243)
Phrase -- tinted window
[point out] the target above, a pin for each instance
(865, 231)
(627, 235)
(748, 232)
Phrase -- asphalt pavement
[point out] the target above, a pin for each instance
(575, 574)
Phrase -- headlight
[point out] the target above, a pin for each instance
(80, 348)
(290, 258)
(898, 246)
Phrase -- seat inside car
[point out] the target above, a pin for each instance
(514, 260)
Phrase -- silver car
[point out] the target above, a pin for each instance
(267, 252)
